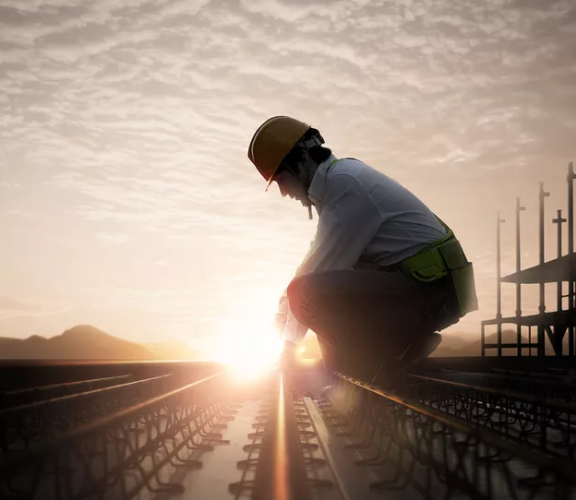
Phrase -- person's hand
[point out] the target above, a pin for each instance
(285, 322)
(281, 316)
(293, 330)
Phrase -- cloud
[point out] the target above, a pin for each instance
(124, 127)
(12, 308)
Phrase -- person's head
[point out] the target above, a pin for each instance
(288, 151)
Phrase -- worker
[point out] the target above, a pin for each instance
(383, 274)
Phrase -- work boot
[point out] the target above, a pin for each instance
(391, 374)
(419, 350)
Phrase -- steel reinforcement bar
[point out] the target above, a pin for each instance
(558, 384)
(439, 455)
(275, 468)
(24, 425)
(545, 424)
(42, 392)
(118, 455)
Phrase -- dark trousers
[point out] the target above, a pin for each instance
(365, 318)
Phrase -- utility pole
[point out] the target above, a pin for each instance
(570, 217)
(559, 220)
(542, 304)
(518, 284)
(499, 286)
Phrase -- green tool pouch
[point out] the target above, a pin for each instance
(439, 259)
(465, 288)
(462, 274)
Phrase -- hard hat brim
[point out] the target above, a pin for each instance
(269, 183)
(272, 141)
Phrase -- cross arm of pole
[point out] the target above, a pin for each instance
(559, 219)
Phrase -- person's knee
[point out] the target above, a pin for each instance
(301, 298)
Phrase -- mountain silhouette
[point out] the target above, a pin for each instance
(79, 342)
(455, 345)
(86, 342)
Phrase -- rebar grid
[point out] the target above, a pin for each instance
(245, 486)
(317, 472)
(25, 425)
(280, 463)
(119, 455)
(31, 394)
(559, 385)
(438, 455)
(541, 423)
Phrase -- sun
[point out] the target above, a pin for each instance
(249, 354)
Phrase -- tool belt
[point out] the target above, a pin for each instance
(439, 259)
(442, 258)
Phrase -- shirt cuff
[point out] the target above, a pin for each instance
(294, 331)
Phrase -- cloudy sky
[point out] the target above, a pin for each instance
(127, 200)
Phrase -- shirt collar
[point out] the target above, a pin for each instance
(318, 185)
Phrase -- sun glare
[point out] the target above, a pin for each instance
(249, 355)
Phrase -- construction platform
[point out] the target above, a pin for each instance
(480, 428)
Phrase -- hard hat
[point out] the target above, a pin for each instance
(273, 140)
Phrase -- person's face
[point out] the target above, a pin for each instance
(294, 184)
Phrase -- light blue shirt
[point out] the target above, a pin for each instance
(366, 219)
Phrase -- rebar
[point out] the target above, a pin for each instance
(440, 455)
(117, 455)
(543, 424)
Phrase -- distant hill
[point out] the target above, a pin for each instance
(454, 345)
(87, 342)
(79, 342)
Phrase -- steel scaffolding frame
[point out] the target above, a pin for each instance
(554, 325)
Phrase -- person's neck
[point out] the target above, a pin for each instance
(312, 172)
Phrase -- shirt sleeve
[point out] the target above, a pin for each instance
(348, 222)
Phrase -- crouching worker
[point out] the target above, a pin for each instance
(383, 273)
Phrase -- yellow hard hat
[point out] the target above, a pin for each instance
(273, 140)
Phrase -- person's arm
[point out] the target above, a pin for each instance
(348, 222)
(286, 323)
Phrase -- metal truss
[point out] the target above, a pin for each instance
(34, 394)
(439, 435)
(118, 455)
(276, 466)
(23, 426)
(557, 384)
(544, 424)
(437, 454)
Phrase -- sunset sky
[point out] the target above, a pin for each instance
(126, 197)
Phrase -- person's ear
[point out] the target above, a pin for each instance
(303, 162)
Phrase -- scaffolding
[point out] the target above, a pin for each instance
(546, 328)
